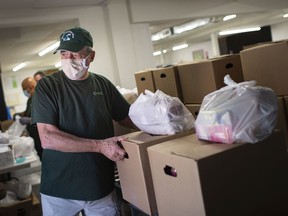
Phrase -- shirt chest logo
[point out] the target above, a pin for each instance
(96, 93)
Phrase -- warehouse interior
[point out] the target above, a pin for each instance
(135, 39)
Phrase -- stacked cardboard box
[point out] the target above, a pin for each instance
(194, 177)
(198, 79)
(201, 78)
(134, 172)
(191, 82)
(164, 79)
(194, 109)
(267, 64)
(282, 117)
(30, 207)
(144, 80)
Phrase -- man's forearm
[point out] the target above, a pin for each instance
(55, 139)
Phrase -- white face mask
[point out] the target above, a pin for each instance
(74, 69)
(26, 93)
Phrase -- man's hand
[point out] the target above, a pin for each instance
(112, 150)
(25, 120)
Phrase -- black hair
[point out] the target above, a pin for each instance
(41, 73)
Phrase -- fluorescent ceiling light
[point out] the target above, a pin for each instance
(19, 66)
(48, 49)
(229, 17)
(191, 25)
(285, 15)
(164, 51)
(156, 37)
(58, 64)
(242, 30)
(178, 47)
(161, 35)
(156, 53)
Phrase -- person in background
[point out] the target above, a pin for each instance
(74, 111)
(38, 75)
(28, 87)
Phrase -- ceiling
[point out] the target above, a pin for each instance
(19, 41)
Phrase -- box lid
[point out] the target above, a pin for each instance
(264, 45)
(140, 137)
(191, 147)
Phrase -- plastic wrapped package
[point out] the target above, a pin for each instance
(160, 114)
(23, 146)
(4, 138)
(16, 129)
(242, 113)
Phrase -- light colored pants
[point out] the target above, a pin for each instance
(54, 206)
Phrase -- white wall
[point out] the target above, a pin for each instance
(131, 44)
(117, 42)
(280, 31)
(121, 48)
(184, 55)
(14, 97)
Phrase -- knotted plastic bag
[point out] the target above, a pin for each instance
(242, 113)
(160, 114)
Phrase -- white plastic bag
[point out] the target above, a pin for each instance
(129, 94)
(16, 129)
(242, 113)
(160, 114)
(4, 138)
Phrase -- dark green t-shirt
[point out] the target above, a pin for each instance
(32, 129)
(84, 108)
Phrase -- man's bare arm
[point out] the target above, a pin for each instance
(53, 138)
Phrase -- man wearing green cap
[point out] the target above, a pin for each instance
(74, 111)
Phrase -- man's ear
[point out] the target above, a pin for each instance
(92, 55)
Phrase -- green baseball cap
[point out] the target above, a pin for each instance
(75, 39)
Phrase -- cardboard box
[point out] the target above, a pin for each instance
(144, 80)
(285, 98)
(36, 206)
(194, 109)
(193, 177)
(201, 78)
(282, 116)
(167, 80)
(6, 156)
(268, 65)
(23, 207)
(120, 130)
(134, 173)
(4, 125)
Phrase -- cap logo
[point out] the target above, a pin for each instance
(67, 36)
